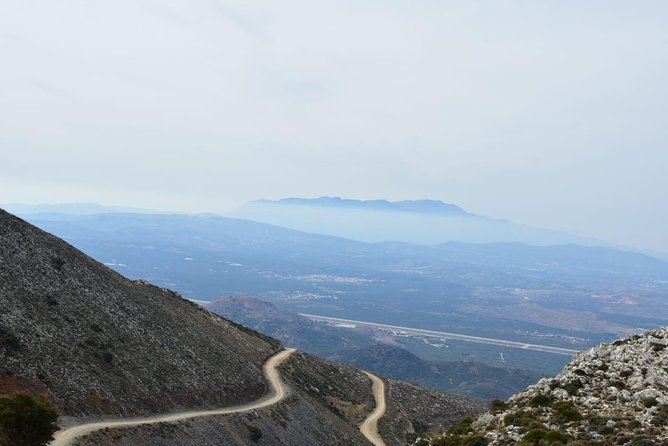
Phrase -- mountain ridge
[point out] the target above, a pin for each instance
(426, 222)
(426, 206)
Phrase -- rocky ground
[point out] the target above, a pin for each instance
(612, 394)
(100, 346)
(346, 392)
(424, 410)
(327, 403)
(96, 343)
(292, 422)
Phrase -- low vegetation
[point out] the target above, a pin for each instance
(26, 421)
(612, 394)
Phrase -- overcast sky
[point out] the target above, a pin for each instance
(553, 114)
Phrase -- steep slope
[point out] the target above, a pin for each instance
(102, 347)
(98, 343)
(359, 348)
(611, 394)
(290, 328)
(326, 406)
(469, 378)
(593, 294)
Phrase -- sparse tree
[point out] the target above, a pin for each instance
(26, 421)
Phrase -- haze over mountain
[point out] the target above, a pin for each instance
(419, 221)
(565, 296)
(466, 195)
(101, 346)
(546, 114)
(407, 206)
(67, 208)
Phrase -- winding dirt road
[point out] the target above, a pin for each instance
(369, 427)
(277, 393)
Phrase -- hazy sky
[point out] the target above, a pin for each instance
(553, 113)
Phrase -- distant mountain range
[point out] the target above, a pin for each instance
(100, 346)
(566, 296)
(407, 206)
(68, 208)
(420, 221)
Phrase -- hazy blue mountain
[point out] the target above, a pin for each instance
(569, 296)
(406, 206)
(67, 208)
(421, 221)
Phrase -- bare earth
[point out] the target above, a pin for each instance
(369, 427)
(278, 391)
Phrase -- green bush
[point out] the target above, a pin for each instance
(661, 416)
(657, 346)
(565, 412)
(642, 441)
(509, 419)
(460, 440)
(26, 421)
(573, 386)
(464, 427)
(523, 419)
(498, 406)
(476, 440)
(541, 401)
(460, 435)
(535, 436)
(599, 424)
(650, 402)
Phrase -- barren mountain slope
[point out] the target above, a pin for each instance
(97, 343)
(101, 346)
(326, 406)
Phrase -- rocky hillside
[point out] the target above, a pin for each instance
(360, 348)
(97, 343)
(290, 328)
(469, 378)
(611, 394)
(101, 346)
(327, 403)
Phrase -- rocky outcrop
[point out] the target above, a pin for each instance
(611, 394)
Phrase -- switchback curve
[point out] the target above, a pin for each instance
(278, 391)
(369, 427)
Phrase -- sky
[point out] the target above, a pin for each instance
(548, 113)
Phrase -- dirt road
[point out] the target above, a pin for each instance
(369, 427)
(277, 393)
